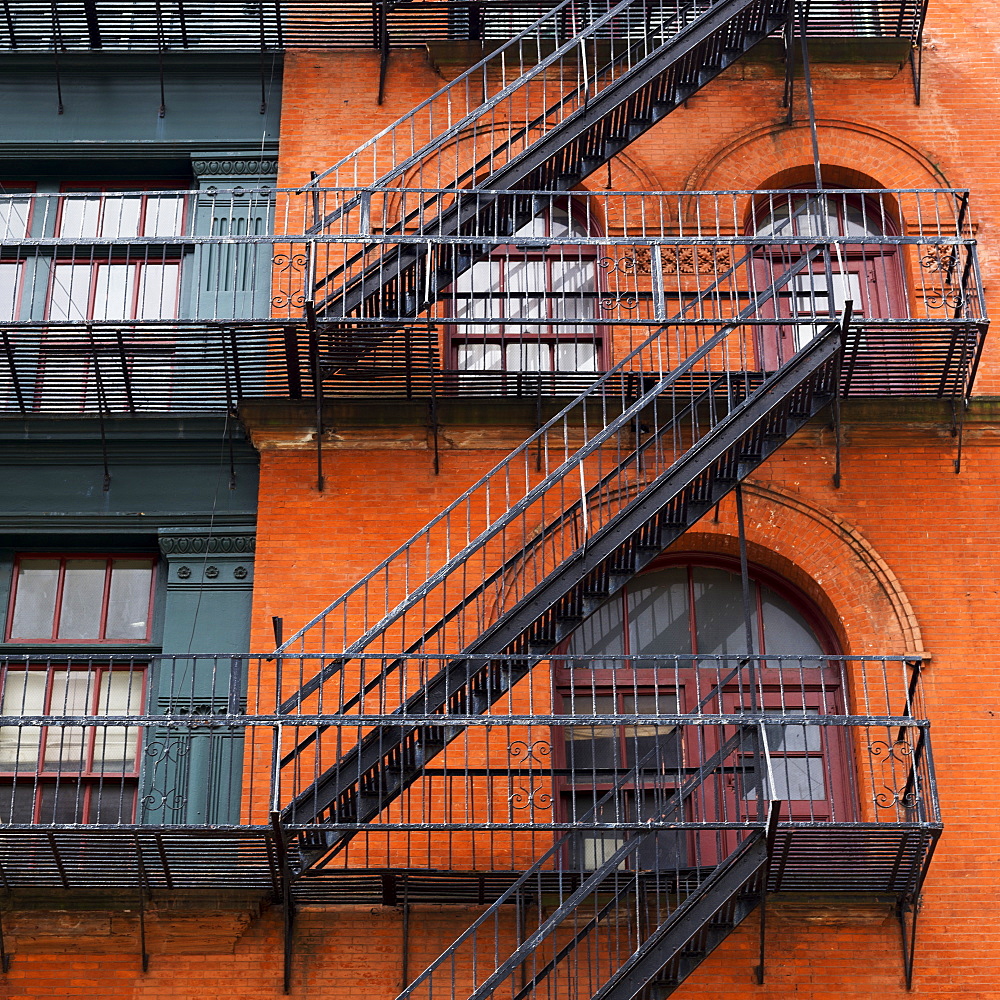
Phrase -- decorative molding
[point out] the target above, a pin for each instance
(258, 169)
(186, 542)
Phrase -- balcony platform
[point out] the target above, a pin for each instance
(89, 861)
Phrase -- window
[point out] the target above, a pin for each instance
(596, 757)
(531, 308)
(126, 281)
(68, 773)
(867, 274)
(81, 599)
(697, 608)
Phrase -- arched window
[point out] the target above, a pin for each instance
(531, 307)
(866, 273)
(696, 609)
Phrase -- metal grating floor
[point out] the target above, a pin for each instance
(807, 857)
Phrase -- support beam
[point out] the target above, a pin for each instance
(287, 904)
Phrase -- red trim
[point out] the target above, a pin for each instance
(80, 784)
(555, 253)
(60, 589)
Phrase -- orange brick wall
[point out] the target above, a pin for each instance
(902, 522)
(903, 555)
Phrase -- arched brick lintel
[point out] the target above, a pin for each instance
(853, 155)
(824, 556)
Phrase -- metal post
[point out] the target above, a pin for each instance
(142, 906)
(287, 906)
(5, 955)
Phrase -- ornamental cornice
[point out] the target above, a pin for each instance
(178, 543)
(255, 168)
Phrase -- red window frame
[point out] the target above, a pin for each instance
(876, 268)
(555, 254)
(12, 190)
(821, 689)
(63, 558)
(120, 255)
(46, 784)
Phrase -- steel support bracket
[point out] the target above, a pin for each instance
(907, 910)
(5, 956)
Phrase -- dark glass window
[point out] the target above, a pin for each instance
(81, 599)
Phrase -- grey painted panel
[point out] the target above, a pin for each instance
(108, 99)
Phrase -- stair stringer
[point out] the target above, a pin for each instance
(734, 886)
(386, 761)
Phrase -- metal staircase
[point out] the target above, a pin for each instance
(615, 930)
(648, 473)
(565, 112)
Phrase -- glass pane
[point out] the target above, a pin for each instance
(62, 801)
(69, 295)
(128, 602)
(35, 600)
(115, 746)
(573, 286)
(592, 747)
(112, 802)
(576, 357)
(641, 740)
(864, 219)
(82, 599)
(23, 694)
(472, 297)
(480, 357)
(522, 357)
(164, 216)
(793, 739)
(718, 611)
(114, 291)
(659, 619)
(797, 778)
(121, 216)
(79, 216)
(591, 850)
(525, 289)
(17, 801)
(14, 214)
(663, 850)
(602, 632)
(10, 280)
(785, 630)
(158, 285)
(65, 746)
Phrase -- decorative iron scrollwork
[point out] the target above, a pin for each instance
(940, 258)
(160, 777)
(944, 300)
(521, 750)
(891, 796)
(621, 298)
(535, 797)
(623, 265)
(293, 293)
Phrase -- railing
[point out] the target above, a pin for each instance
(281, 24)
(156, 300)
(161, 741)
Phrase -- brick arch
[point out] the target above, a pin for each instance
(824, 556)
(853, 154)
(625, 166)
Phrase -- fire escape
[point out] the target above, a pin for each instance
(416, 747)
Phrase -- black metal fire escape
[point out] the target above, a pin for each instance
(749, 418)
(660, 65)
